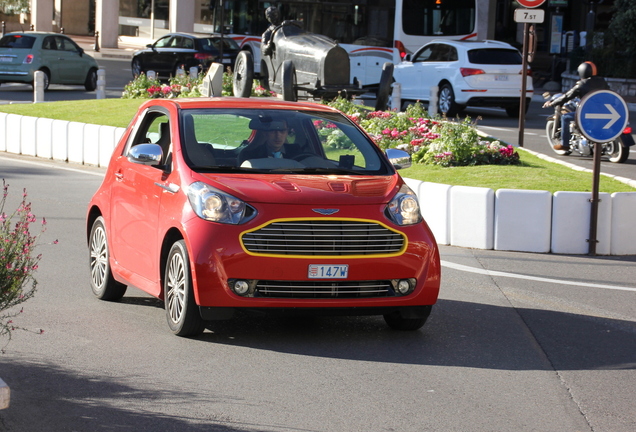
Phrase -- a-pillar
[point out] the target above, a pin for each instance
(107, 22)
(181, 16)
(41, 15)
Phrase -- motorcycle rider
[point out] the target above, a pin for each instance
(589, 82)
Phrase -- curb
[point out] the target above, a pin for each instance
(5, 395)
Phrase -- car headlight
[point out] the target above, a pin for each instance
(214, 205)
(404, 209)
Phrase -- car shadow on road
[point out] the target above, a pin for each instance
(458, 333)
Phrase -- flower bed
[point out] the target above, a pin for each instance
(434, 141)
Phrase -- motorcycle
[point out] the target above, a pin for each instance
(617, 150)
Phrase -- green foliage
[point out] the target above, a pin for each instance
(431, 141)
(17, 260)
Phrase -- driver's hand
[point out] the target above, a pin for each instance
(548, 104)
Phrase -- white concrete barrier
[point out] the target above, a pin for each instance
(108, 138)
(623, 234)
(76, 142)
(523, 220)
(59, 139)
(12, 135)
(44, 138)
(27, 135)
(91, 144)
(435, 205)
(471, 217)
(3, 132)
(571, 223)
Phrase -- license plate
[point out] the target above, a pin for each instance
(6, 59)
(227, 61)
(501, 77)
(328, 271)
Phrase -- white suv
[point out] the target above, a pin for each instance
(486, 73)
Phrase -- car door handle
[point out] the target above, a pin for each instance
(119, 175)
(170, 187)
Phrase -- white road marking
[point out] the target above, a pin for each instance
(51, 165)
(469, 269)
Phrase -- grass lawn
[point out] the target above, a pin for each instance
(533, 173)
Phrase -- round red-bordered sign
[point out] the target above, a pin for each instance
(531, 3)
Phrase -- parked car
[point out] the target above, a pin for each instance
(57, 55)
(192, 211)
(307, 63)
(467, 73)
(184, 50)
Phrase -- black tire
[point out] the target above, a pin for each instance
(554, 139)
(384, 88)
(513, 110)
(182, 311)
(104, 286)
(136, 67)
(290, 93)
(243, 74)
(446, 101)
(90, 84)
(616, 151)
(396, 321)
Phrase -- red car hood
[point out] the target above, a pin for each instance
(309, 189)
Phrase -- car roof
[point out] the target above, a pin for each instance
(237, 103)
(35, 33)
(192, 35)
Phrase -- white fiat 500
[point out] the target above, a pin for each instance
(466, 73)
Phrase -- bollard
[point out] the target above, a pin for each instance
(180, 72)
(101, 84)
(396, 97)
(432, 101)
(151, 75)
(96, 46)
(4, 27)
(194, 72)
(38, 87)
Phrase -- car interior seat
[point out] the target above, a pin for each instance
(165, 142)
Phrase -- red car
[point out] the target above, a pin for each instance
(219, 204)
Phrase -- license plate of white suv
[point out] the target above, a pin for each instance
(328, 271)
(501, 77)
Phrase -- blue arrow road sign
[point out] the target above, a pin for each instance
(602, 116)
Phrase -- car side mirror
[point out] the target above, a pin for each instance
(398, 158)
(145, 154)
(408, 57)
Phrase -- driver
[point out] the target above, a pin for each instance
(273, 16)
(274, 137)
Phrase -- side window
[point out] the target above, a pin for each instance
(155, 129)
(424, 55)
(452, 55)
(187, 43)
(164, 42)
(49, 43)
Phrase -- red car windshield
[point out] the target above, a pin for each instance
(278, 140)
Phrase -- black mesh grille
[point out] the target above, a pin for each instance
(323, 237)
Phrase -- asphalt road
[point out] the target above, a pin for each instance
(517, 342)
